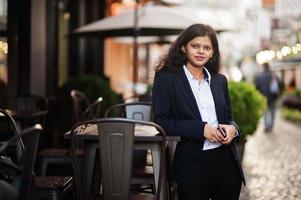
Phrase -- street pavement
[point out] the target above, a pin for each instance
(272, 163)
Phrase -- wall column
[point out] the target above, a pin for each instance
(38, 47)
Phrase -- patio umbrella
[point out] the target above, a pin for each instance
(153, 20)
(150, 20)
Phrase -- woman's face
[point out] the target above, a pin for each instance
(198, 51)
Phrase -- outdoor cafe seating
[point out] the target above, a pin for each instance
(30, 136)
(83, 109)
(22, 169)
(27, 109)
(18, 157)
(117, 138)
(132, 110)
(142, 172)
(10, 129)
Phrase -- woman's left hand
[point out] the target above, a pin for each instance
(230, 132)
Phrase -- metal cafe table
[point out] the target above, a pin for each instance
(22, 118)
(145, 138)
(26, 115)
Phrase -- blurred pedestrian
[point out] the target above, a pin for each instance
(267, 83)
(191, 100)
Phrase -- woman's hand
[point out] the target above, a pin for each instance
(230, 133)
(212, 134)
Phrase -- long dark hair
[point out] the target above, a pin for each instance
(176, 58)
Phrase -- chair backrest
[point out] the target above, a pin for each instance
(28, 103)
(134, 110)
(116, 140)
(83, 109)
(25, 103)
(93, 110)
(138, 98)
(5, 116)
(80, 103)
(30, 136)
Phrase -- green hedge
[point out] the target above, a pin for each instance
(248, 106)
(293, 115)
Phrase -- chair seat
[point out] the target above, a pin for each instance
(53, 182)
(146, 171)
(133, 196)
(57, 152)
(55, 156)
(142, 196)
(57, 187)
(54, 152)
(143, 175)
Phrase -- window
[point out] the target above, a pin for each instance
(3, 42)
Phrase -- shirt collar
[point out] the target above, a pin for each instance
(190, 76)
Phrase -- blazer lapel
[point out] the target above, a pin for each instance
(215, 94)
(185, 88)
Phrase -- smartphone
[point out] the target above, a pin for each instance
(221, 130)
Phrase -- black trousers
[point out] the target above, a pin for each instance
(219, 178)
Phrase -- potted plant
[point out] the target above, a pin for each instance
(292, 100)
(292, 106)
(248, 106)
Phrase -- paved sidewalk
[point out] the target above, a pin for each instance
(272, 163)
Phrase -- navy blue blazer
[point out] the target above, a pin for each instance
(176, 110)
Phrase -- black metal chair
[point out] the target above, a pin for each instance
(54, 187)
(25, 103)
(139, 111)
(133, 110)
(83, 110)
(30, 136)
(28, 103)
(116, 140)
(12, 127)
(138, 98)
(45, 187)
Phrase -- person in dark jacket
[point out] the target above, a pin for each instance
(267, 84)
(191, 100)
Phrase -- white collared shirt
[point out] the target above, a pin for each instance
(203, 96)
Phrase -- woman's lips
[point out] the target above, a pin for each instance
(199, 57)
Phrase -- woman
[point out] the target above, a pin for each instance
(191, 100)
